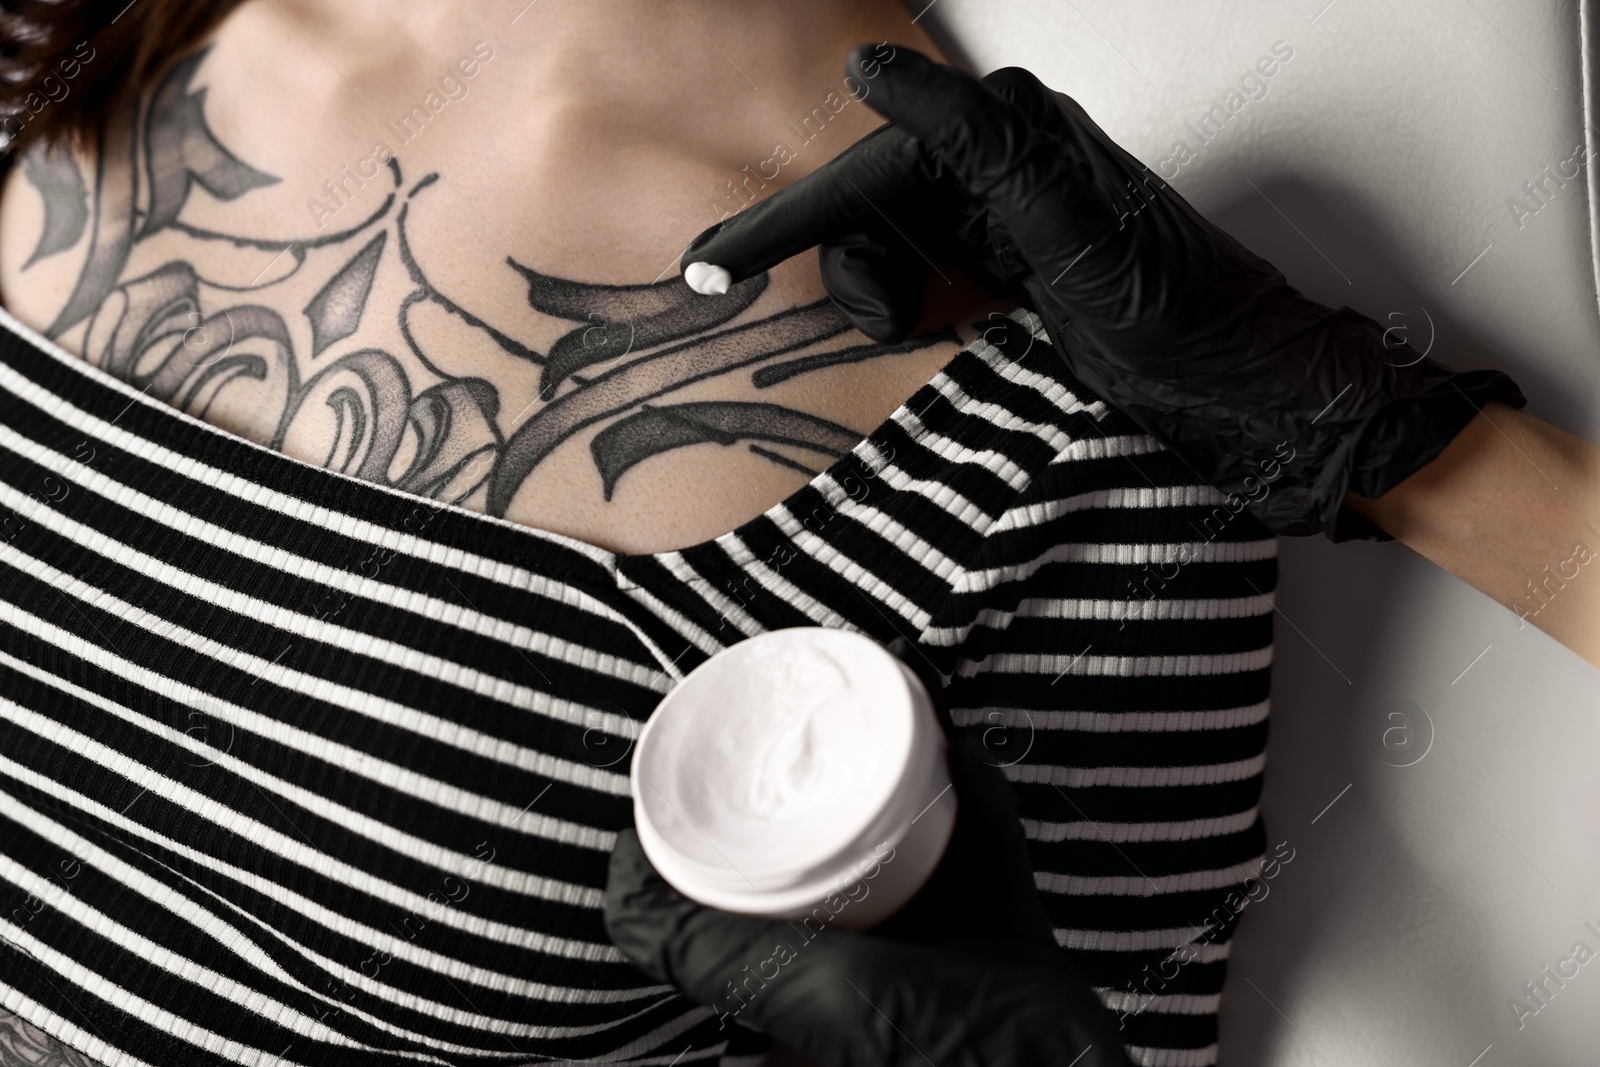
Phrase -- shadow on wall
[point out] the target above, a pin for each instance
(1353, 892)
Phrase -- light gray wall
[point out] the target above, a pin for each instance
(1375, 170)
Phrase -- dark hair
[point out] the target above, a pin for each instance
(67, 66)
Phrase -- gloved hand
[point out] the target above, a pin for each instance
(967, 974)
(1260, 390)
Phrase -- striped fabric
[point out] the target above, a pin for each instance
(295, 769)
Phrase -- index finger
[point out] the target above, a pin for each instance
(840, 197)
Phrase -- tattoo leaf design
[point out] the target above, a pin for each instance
(765, 377)
(181, 150)
(654, 430)
(425, 293)
(457, 439)
(369, 397)
(153, 333)
(111, 231)
(66, 202)
(335, 312)
(624, 318)
(653, 375)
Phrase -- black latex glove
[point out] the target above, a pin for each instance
(1160, 313)
(967, 974)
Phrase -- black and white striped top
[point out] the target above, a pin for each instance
(295, 769)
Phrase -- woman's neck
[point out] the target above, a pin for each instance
(721, 78)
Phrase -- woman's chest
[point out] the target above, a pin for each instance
(442, 337)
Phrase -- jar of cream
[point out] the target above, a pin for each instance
(798, 774)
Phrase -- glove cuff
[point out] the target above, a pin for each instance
(1404, 436)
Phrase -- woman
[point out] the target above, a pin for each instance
(316, 752)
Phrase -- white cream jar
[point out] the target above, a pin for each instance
(797, 774)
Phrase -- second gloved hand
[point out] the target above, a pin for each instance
(967, 974)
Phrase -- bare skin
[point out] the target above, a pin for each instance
(438, 251)
(1512, 508)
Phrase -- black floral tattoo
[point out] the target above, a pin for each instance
(414, 425)
(25, 1045)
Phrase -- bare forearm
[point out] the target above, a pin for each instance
(1512, 507)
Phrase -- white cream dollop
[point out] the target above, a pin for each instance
(707, 279)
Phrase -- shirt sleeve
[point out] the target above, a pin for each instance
(1114, 650)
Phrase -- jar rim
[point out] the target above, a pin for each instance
(885, 810)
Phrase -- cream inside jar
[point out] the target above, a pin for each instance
(797, 769)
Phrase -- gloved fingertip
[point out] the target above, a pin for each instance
(700, 239)
(714, 261)
(860, 55)
(909, 89)
(731, 251)
(867, 63)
